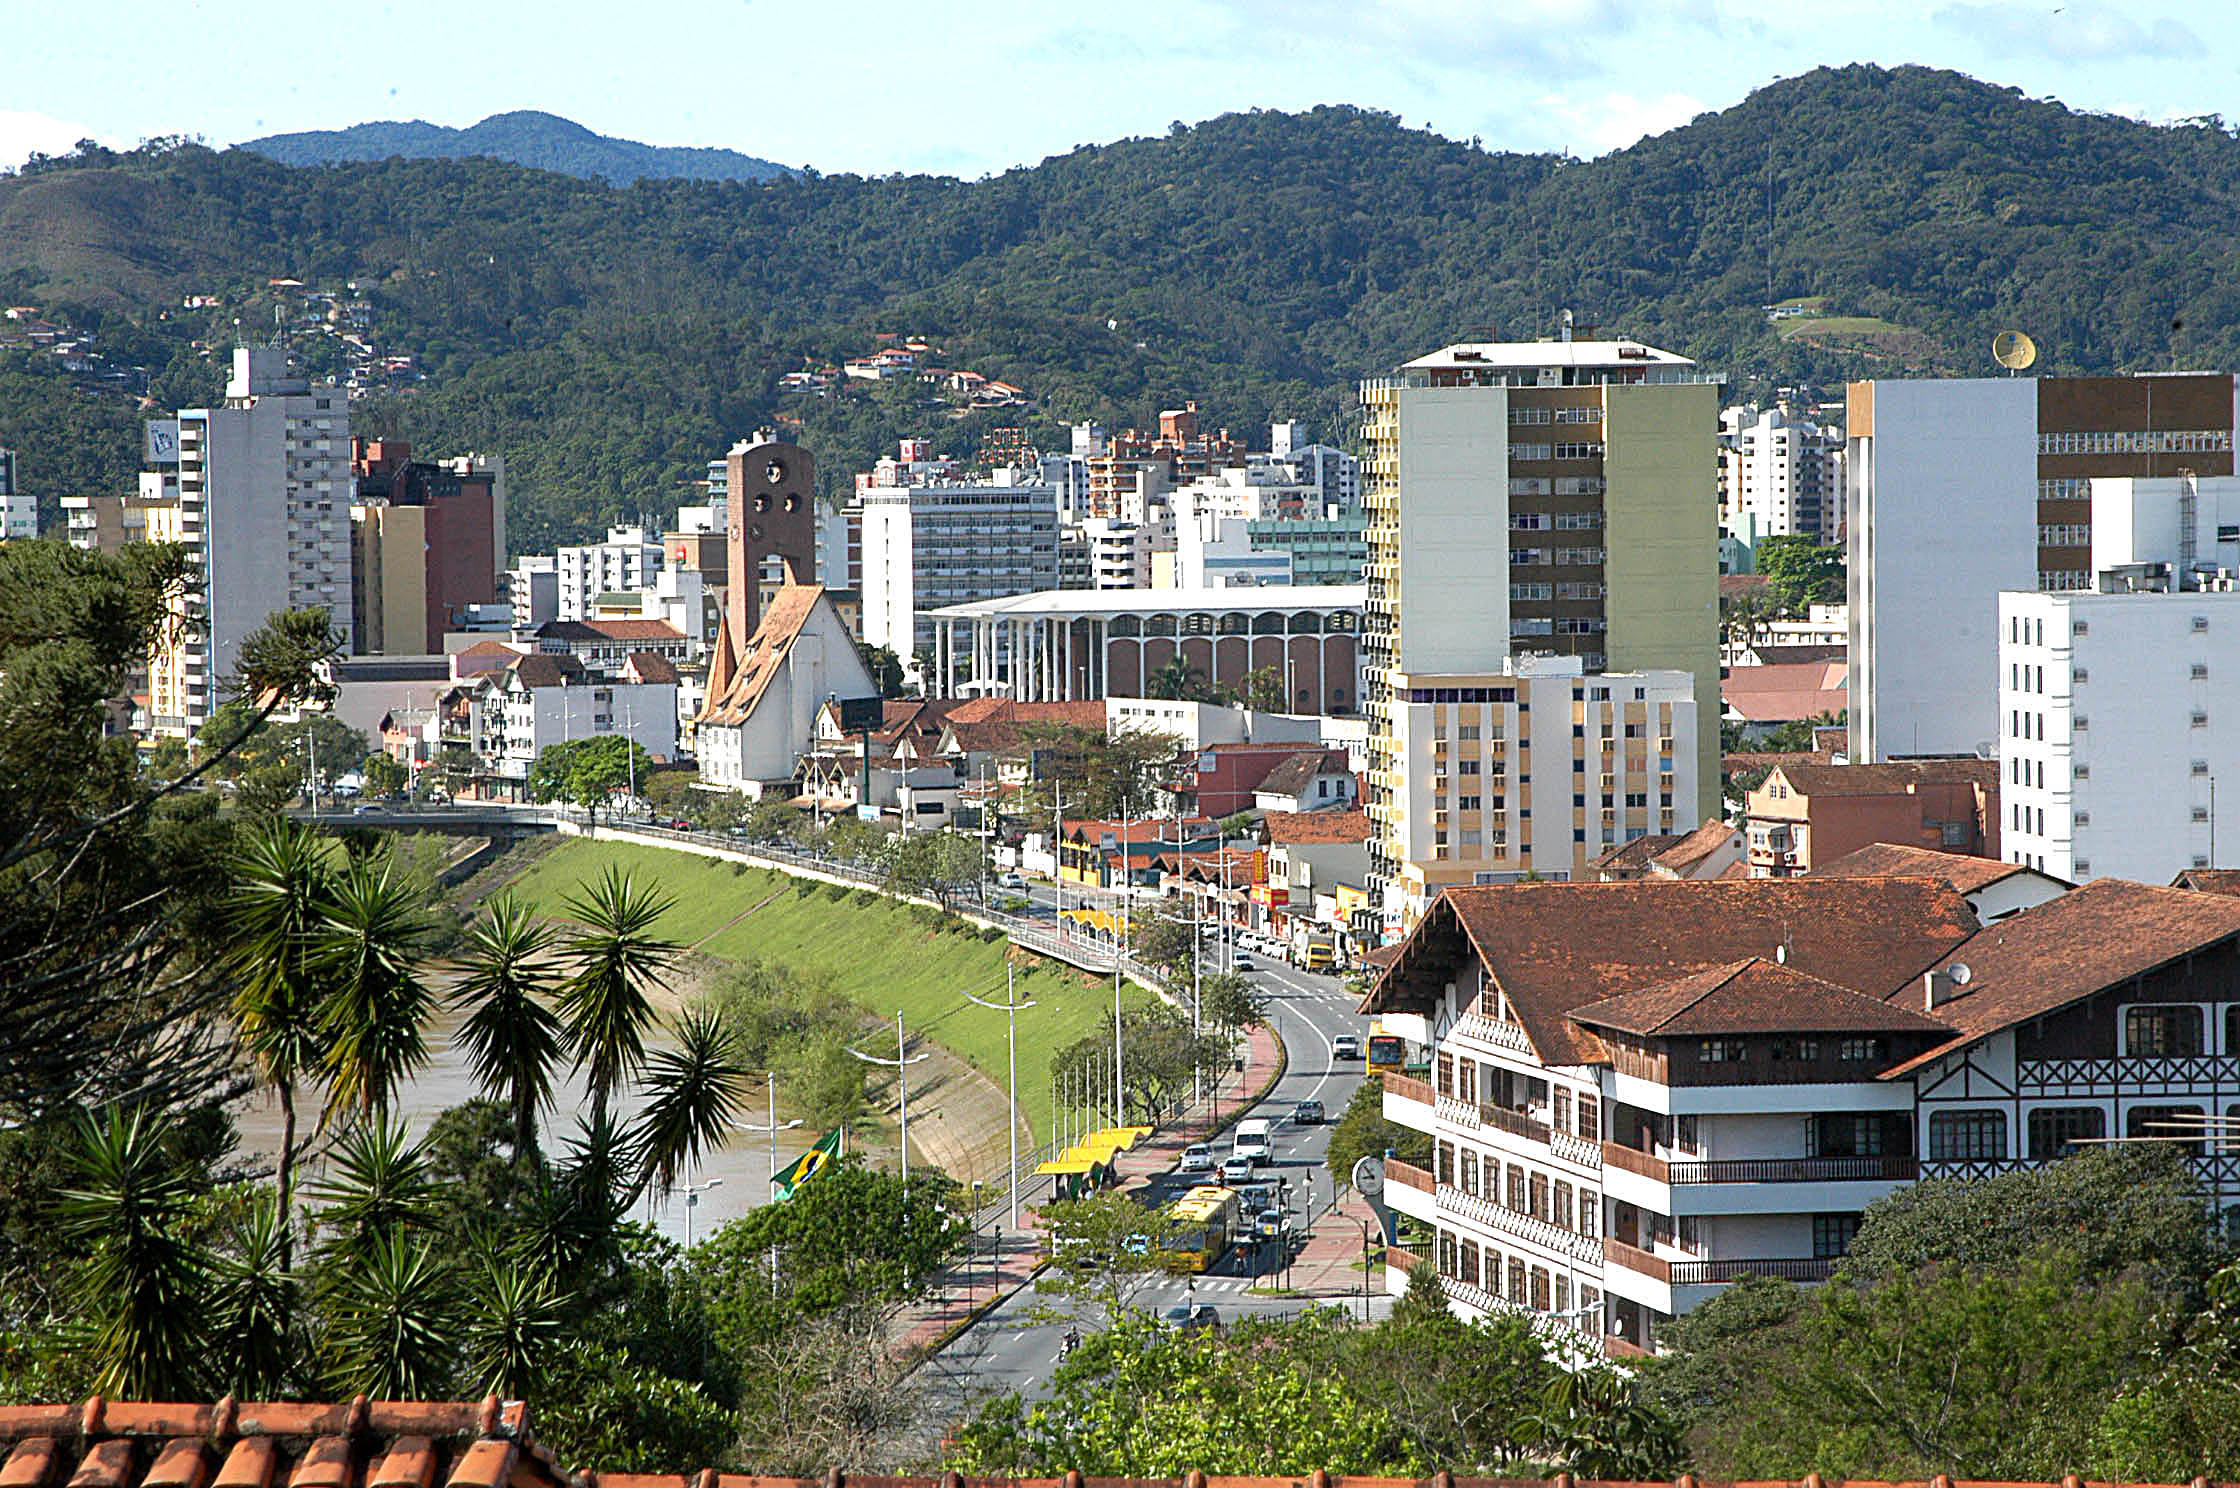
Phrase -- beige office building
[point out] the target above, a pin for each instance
(1537, 499)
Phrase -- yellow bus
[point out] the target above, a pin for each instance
(1387, 1052)
(1201, 1226)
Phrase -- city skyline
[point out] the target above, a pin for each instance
(1584, 76)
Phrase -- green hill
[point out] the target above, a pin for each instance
(608, 340)
(526, 137)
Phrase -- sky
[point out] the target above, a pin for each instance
(876, 86)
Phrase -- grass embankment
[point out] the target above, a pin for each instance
(881, 954)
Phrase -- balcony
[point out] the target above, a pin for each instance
(1712, 1273)
(1878, 1169)
(1408, 1175)
(1407, 1088)
(1635, 1259)
(1509, 1036)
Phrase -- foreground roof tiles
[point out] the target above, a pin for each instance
(1751, 996)
(1963, 871)
(486, 1444)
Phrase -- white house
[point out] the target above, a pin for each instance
(760, 718)
(544, 699)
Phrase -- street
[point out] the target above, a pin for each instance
(1016, 1346)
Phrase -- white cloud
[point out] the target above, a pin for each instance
(1597, 124)
(2074, 32)
(24, 134)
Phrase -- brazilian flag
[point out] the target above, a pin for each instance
(806, 1166)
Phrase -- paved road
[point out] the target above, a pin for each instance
(1016, 1346)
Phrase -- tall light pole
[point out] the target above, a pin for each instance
(1119, 959)
(770, 1087)
(692, 1192)
(1010, 1007)
(900, 1064)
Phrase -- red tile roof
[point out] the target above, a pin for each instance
(649, 668)
(1633, 857)
(609, 630)
(2066, 949)
(1295, 772)
(1963, 871)
(2209, 881)
(1753, 995)
(1306, 828)
(1553, 947)
(387, 1444)
(1696, 846)
(1782, 694)
(1890, 779)
(764, 655)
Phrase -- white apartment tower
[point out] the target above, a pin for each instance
(19, 510)
(2120, 707)
(926, 547)
(628, 560)
(1783, 471)
(265, 487)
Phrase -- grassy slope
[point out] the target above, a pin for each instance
(878, 954)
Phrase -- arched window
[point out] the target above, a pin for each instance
(1306, 622)
(1159, 625)
(1126, 625)
(1267, 622)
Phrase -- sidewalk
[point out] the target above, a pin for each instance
(1001, 1261)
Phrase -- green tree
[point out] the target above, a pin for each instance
(941, 866)
(588, 772)
(1229, 1002)
(696, 1092)
(512, 1038)
(1178, 680)
(1799, 573)
(885, 668)
(614, 961)
(384, 774)
(1097, 774)
(142, 1285)
(1363, 1131)
(376, 1008)
(1262, 688)
(392, 1321)
(849, 1236)
(1160, 1057)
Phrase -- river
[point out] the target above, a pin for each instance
(737, 1175)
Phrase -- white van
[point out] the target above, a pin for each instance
(1251, 1141)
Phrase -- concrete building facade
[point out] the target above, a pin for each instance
(1585, 472)
(1781, 472)
(265, 490)
(929, 547)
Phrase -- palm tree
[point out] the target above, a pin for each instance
(274, 918)
(143, 1283)
(378, 1183)
(697, 1090)
(512, 1039)
(255, 1302)
(616, 957)
(1176, 679)
(390, 1319)
(515, 1322)
(376, 1006)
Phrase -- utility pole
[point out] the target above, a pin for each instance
(770, 1087)
(1010, 1007)
(900, 1064)
(1119, 959)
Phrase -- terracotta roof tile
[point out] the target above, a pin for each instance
(1295, 772)
(651, 668)
(1753, 995)
(484, 1445)
(609, 630)
(764, 655)
(1695, 846)
(1557, 946)
(2066, 949)
(2209, 881)
(1963, 871)
(1633, 857)
(1306, 828)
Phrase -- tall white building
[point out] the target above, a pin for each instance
(1785, 471)
(2120, 708)
(19, 510)
(627, 560)
(929, 546)
(265, 488)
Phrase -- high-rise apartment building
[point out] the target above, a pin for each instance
(265, 489)
(926, 547)
(1958, 490)
(1525, 499)
(1781, 470)
(2119, 708)
(19, 510)
(429, 545)
(627, 560)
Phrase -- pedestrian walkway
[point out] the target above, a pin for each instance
(1001, 1261)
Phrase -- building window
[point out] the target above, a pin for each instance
(1796, 1050)
(1540, 1298)
(1470, 1262)
(1539, 1208)
(2054, 1130)
(1590, 1212)
(1722, 1051)
(2153, 1031)
(1469, 1172)
(2165, 1123)
(1832, 1235)
(1443, 1163)
(1967, 1136)
(1559, 1102)
(1863, 1049)
(1516, 1281)
(1516, 1188)
(1590, 1116)
(1563, 1211)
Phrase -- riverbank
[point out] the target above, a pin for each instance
(882, 955)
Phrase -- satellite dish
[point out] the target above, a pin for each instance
(2013, 350)
(1961, 974)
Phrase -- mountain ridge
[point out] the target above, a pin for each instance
(530, 137)
(610, 341)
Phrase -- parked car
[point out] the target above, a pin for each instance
(1237, 1168)
(1190, 1319)
(1307, 1113)
(369, 809)
(1196, 1158)
(1244, 963)
(1010, 881)
(1346, 1046)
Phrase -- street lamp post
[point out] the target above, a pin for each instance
(900, 1064)
(770, 1087)
(692, 1192)
(1010, 1007)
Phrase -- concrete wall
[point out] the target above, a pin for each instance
(1454, 529)
(1661, 519)
(1943, 491)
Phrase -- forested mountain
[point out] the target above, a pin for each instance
(608, 340)
(525, 137)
